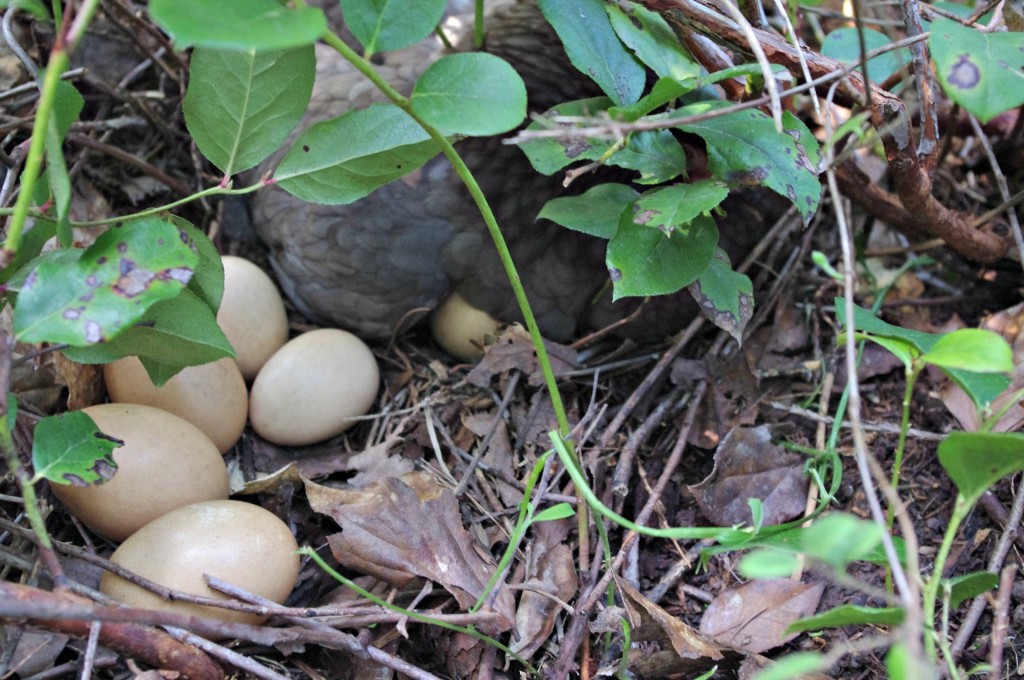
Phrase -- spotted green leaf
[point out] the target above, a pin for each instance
(108, 287)
(983, 72)
(744, 149)
(69, 449)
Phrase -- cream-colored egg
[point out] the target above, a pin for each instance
(313, 387)
(237, 542)
(460, 328)
(165, 463)
(251, 314)
(210, 396)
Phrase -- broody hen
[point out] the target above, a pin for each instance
(379, 264)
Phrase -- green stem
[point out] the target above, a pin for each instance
(28, 495)
(931, 587)
(543, 360)
(212, 191)
(595, 503)
(34, 159)
(366, 68)
(912, 372)
(415, 616)
(522, 524)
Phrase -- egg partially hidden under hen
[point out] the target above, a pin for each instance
(313, 388)
(460, 328)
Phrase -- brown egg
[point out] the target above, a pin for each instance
(460, 328)
(165, 463)
(237, 542)
(313, 387)
(211, 396)
(251, 314)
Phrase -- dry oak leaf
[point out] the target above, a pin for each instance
(754, 616)
(748, 465)
(513, 349)
(550, 577)
(401, 528)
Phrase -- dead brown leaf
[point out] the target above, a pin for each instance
(551, 575)
(652, 623)
(748, 465)
(513, 350)
(320, 460)
(754, 617)
(498, 455)
(735, 395)
(400, 528)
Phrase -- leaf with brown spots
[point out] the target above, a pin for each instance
(982, 72)
(107, 288)
(69, 449)
(745, 149)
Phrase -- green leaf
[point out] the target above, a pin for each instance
(343, 159)
(744, 149)
(69, 449)
(972, 349)
(899, 664)
(983, 72)
(850, 615)
(32, 242)
(586, 32)
(655, 154)
(59, 182)
(241, 105)
(975, 460)
(968, 586)
(557, 511)
(981, 387)
(12, 412)
(644, 261)
(238, 24)
(839, 538)
(67, 106)
(662, 92)
(33, 7)
(385, 25)
(901, 349)
(796, 665)
(673, 207)
(474, 94)
(108, 288)
(767, 563)
(550, 154)
(726, 297)
(843, 44)
(207, 281)
(596, 211)
(653, 42)
(175, 333)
